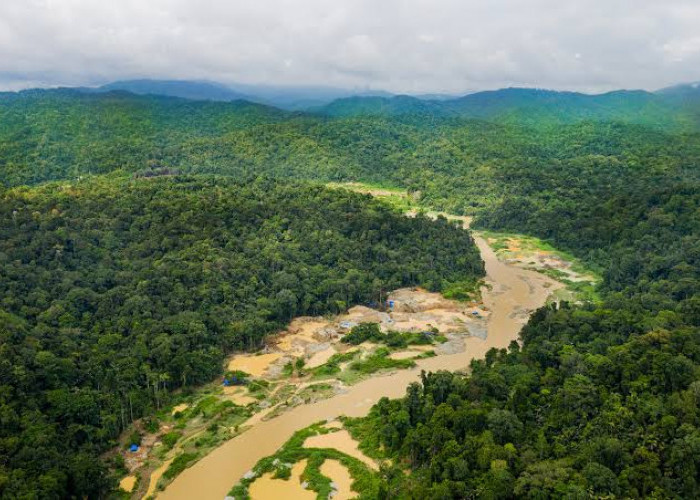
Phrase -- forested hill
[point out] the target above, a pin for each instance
(600, 401)
(59, 134)
(115, 292)
(205, 91)
(457, 164)
(672, 109)
(139, 267)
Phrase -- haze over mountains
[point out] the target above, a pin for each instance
(676, 106)
(285, 97)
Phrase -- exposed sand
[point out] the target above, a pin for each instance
(514, 245)
(340, 477)
(267, 488)
(252, 364)
(301, 331)
(179, 408)
(445, 321)
(320, 357)
(127, 484)
(374, 191)
(418, 299)
(155, 476)
(523, 252)
(369, 346)
(239, 395)
(342, 441)
(415, 310)
(363, 314)
(511, 294)
(317, 339)
(404, 354)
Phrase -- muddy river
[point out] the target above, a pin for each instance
(512, 293)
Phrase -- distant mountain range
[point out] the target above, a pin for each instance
(289, 98)
(675, 107)
(201, 91)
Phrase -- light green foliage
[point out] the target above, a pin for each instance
(370, 332)
(380, 360)
(365, 481)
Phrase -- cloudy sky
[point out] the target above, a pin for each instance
(414, 46)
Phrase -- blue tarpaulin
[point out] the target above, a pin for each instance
(134, 448)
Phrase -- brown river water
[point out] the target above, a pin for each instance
(511, 295)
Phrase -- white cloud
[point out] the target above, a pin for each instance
(680, 50)
(398, 45)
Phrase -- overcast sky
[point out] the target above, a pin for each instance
(412, 46)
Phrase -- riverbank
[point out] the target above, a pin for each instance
(509, 294)
(309, 361)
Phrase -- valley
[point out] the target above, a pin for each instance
(192, 292)
(507, 296)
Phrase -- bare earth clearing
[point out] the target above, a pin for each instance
(288, 394)
(315, 340)
(509, 296)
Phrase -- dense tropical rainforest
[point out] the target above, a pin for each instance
(601, 400)
(115, 292)
(119, 287)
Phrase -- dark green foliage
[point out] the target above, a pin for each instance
(601, 398)
(114, 292)
(169, 439)
(151, 424)
(523, 106)
(59, 134)
(134, 438)
(380, 360)
(362, 333)
(180, 463)
(365, 332)
(237, 377)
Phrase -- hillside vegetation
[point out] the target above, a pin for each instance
(674, 109)
(115, 292)
(600, 400)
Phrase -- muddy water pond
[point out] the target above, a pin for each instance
(268, 488)
(511, 292)
(341, 441)
(340, 477)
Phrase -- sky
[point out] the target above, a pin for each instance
(402, 46)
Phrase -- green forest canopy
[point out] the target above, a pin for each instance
(600, 400)
(116, 291)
